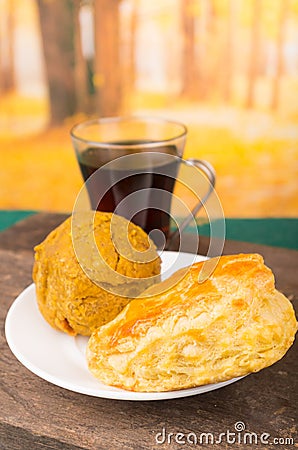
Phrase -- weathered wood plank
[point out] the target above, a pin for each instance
(35, 414)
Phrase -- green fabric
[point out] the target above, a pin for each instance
(275, 232)
(8, 218)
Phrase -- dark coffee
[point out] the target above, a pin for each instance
(155, 170)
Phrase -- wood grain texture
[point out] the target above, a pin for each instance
(35, 414)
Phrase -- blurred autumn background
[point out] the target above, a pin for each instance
(228, 69)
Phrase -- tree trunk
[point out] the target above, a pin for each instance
(128, 55)
(229, 52)
(279, 50)
(80, 73)
(131, 78)
(254, 54)
(190, 73)
(202, 56)
(7, 69)
(107, 77)
(57, 30)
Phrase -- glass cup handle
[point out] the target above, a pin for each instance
(210, 174)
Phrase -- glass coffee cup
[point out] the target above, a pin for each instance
(131, 165)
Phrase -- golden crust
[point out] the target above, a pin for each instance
(66, 296)
(232, 324)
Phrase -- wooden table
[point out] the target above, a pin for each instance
(35, 414)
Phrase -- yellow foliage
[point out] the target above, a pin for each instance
(257, 165)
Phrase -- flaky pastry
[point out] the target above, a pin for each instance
(193, 333)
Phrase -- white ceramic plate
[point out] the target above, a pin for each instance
(60, 359)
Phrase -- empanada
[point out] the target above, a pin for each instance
(232, 324)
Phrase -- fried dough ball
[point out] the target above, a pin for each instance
(85, 271)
